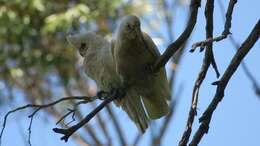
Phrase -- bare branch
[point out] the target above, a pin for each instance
(172, 48)
(82, 86)
(29, 130)
(70, 111)
(235, 62)
(202, 44)
(202, 74)
(225, 32)
(68, 132)
(229, 17)
(250, 76)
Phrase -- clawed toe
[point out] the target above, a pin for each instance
(118, 92)
(102, 94)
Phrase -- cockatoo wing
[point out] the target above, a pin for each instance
(155, 98)
(132, 103)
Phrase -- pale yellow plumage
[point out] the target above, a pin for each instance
(134, 52)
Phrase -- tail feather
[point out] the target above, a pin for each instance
(132, 104)
(155, 108)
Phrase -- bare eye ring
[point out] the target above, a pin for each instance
(128, 26)
(82, 46)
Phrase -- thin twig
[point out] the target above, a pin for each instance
(107, 96)
(70, 111)
(88, 128)
(229, 17)
(202, 44)
(68, 132)
(30, 130)
(225, 32)
(235, 62)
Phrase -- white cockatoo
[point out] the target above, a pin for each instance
(111, 64)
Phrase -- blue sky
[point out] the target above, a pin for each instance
(236, 120)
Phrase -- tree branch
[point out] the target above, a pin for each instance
(174, 47)
(221, 85)
(40, 107)
(209, 57)
(68, 132)
(225, 32)
(250, 76)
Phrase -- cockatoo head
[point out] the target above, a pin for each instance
(130, 27)
(81, 41)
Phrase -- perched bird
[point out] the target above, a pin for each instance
(112, 64)
(99, 65)
(133, 53)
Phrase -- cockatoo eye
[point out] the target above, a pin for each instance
(82, 49)
(82, 46)
(128, 26)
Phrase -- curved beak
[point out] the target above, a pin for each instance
(139, 34)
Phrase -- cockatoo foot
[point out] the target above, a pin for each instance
(118, 92)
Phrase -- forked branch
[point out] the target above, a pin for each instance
(222, 83)
(39, 107)
(225, 32)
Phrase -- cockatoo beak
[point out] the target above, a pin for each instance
(137, 31)
(139, 34)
